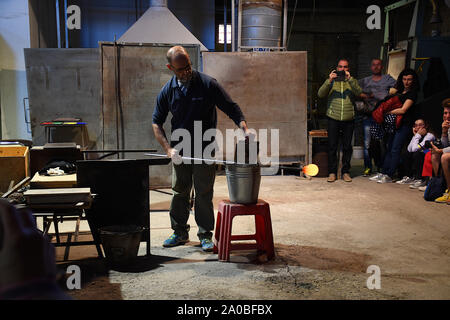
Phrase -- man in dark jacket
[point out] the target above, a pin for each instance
(191, 97)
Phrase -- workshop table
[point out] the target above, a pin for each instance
(122, 193)
(59, 212)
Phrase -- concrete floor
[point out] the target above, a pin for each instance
(326, 235)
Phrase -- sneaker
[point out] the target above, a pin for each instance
(175, 240)
(417, 184)
(331, 177)
(367, 172)
(445, 198)
(207, 245)
(385, 179)
(376, 177)
(405, 180)
(423, 188)
(346, 177)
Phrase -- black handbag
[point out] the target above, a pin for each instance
(435, 187)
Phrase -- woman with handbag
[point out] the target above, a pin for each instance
(398, 117)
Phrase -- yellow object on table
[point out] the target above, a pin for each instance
(64, 181)
(14, 166)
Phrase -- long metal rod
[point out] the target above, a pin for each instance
(16, 187)
(285, 23)
(233, 26)
(225, 26)
(118, 150)
(199, 159)
(398, 5)
(413, 25)
(386, 37)
(65, 24)
(292, 24)
(239, 25)
(58, 24)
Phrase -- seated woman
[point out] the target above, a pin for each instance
(413, 160)
(407, 87)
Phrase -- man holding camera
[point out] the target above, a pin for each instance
(341, 89)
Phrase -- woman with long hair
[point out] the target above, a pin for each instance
(407, 87)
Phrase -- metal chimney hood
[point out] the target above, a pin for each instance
(159, 25)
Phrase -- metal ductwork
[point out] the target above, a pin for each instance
(158, 3)
(159, 25)
(261, 23)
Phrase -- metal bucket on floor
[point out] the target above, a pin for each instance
(121, 243)
(243, 182)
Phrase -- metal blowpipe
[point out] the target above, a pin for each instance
(309, 170)
(199, 159)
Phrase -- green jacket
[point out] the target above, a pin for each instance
(340, 98)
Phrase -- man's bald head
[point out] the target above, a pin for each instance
(177, 53)
(179, 63)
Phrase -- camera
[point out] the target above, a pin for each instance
(437, 143)
(340, 75)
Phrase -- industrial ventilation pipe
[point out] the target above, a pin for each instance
(158, 3)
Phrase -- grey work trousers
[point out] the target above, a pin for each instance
(202, 177)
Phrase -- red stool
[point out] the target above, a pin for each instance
(263, 235)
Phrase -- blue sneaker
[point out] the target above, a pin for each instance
(207, 245)
(175, 240)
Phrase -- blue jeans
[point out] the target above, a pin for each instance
(367, 122)
(394, 145)
(372, 148)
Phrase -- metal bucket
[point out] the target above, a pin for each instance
(121, 243)
(243, 183)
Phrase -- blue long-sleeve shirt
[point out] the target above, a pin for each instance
(199, 104)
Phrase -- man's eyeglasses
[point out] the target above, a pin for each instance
(186, 68)
(344, 67)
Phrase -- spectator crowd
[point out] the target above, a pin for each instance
(398, 139)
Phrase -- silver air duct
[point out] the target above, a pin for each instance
(159, 25)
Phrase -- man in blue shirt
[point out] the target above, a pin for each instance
(375, 88)
(191, 96)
